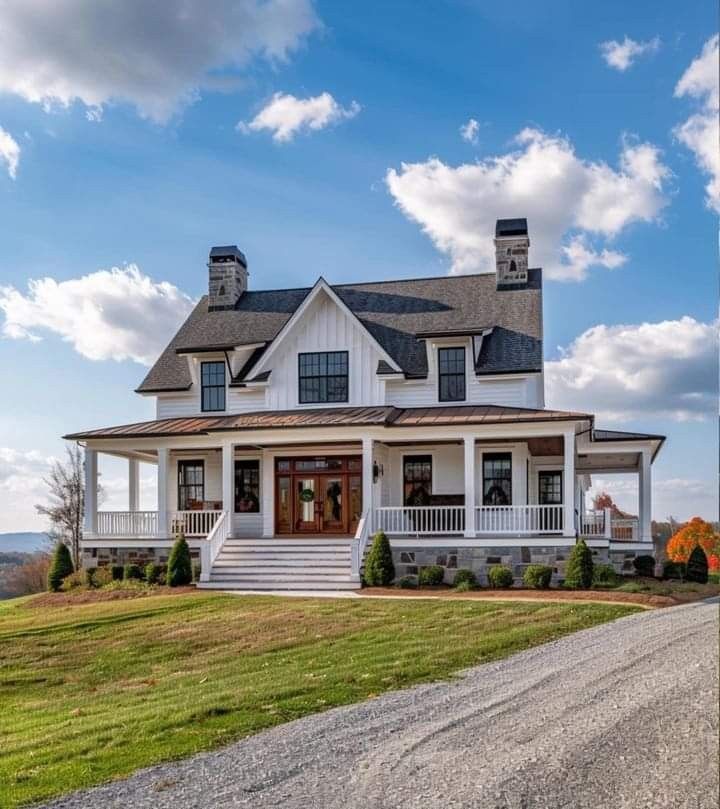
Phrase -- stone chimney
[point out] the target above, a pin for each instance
(228, 277)
(511, 253)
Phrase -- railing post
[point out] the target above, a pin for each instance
(469, 445)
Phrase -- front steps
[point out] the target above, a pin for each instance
(271, 565)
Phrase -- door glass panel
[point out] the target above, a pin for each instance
(355, 495)
(305, 500)
(332, 501)
(283, 499)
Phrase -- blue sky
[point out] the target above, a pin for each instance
(373, 181)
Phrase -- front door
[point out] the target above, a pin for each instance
(333, 519)
(307, 517)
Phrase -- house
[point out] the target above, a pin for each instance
(292, 424)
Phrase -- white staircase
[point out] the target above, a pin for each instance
(283, 564)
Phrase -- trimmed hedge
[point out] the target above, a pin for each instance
(132, 572)
(500, 577)
(537, 576)
(579, 569)
(406, 583)
(465, 576)
(644, 565)
(697, 566)
(154, 573)
(117, 572)
(605, 576)
(379, 567)
(101, 576)
(179, 566)
(673, 570)
(431, 575)
(61, 566)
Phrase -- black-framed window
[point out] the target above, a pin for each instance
(323, 377)
(247, 487)
(417, 480)
(550, 488)
(191, 484)
(451, 373)
(212, 385)
(497, 479)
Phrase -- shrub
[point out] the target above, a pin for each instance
(644, 565)
(406, 583)
(714, 578)
(61, 566)
(431, 575)
(179, 567)
(379, 567)
(152, 571)
(673, 570)
(196, 571)
(465, 577)
(500, 577)
(579, 569)
(117, 572)
(537, 576)
(464, 587)
(75, 581)
(697, 566)
(132, 572)
(604, 576)
(102, 576)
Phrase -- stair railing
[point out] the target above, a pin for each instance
(211, 546)
(359, 544)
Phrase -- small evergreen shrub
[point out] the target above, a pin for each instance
(537, 576)
(75, 581)
(61, 566)
(406, 583)
(500, 577)
(579, 568)
(132, 572)
(179, 566)
(117, 572)
(101, 577)
(644, 565)
(431, 575)
(464, 587)
(697, 566)
(379, 567)
(673, 570)
(604, 576)
(152, 572)
(465, 577)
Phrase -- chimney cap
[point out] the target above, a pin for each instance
(511, 227)
(225, 252)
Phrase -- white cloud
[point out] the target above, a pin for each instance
(114, 314)
(701, 131)
(21, 487)
(155, 56)
(285, 115)
(9, 152)
(622, 55)
(469, 131)
(570, 203)
(666, 369)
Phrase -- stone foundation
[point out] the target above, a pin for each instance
(99, 557)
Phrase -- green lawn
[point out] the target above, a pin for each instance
(92, 692)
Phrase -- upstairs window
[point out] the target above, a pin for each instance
(212, 385)
(323, 377)
(451, 373)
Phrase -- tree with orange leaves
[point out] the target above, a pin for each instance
(695, 532)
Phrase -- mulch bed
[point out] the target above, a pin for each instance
(94, 596)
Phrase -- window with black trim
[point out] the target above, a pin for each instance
(417, 480)
(451, 373)
(191, 485)
(323, 377)
(212, 386)
(497, 479)
(247, 487)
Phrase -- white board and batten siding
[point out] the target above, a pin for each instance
(519, 391)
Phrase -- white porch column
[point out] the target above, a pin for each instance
(645, 492)
(133, 484)
(569, 483)
(268, 493)
(91, 486)
(367, 479)
(228, 475)
(469, 444)
(163, 465)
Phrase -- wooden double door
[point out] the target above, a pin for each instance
(318, 495)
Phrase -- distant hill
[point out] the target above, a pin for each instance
(23, 542)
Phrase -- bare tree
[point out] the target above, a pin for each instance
(66, 495)
(29, 577)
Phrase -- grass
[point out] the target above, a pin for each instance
(91, 692)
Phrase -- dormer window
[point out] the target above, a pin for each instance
(212, 386)
(451, 374)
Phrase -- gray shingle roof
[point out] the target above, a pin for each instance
(394, 312)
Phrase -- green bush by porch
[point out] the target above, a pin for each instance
(579, 569)
(379, 567)
(179, 566)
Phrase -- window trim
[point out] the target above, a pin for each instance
(491, 456)
(441, 375)
(346, 376)
(182, 462)
(204, 387)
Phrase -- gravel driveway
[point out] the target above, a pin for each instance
(623, 716)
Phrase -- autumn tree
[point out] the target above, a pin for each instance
(603, 500)
(696, 532)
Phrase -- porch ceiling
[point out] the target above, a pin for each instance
(608, 462)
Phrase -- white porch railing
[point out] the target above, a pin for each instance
(420, 520)
(214, 542)
(193, 523)
(127, 523)
(362, 535)
(624, 529)
(595, 524)
(514, 520)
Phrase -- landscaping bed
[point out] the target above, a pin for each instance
(79, 596)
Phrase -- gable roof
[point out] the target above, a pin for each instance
(394, 312)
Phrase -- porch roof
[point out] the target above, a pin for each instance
(387, 416)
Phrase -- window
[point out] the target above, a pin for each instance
(497, 479)
(247, 487)
(417, 480)
(550, 488)
(323, 377)
(451, 371)
(212, 384)
(191, 485)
